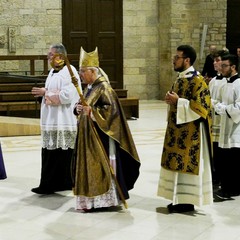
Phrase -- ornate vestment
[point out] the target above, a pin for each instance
(92, 176)
(181, 151)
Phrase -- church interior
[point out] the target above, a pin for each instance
(149, 33)
(25, 215)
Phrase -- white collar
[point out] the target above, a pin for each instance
(228, 79)
(187, 73)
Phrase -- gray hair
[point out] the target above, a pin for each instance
(98, 73)
(59, 48)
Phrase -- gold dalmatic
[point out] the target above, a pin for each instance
(181, 151)
(88, 59)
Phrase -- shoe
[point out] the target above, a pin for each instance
(180, 208)
(63, 189)
(39, 190)
(86, 210)
(223, 195)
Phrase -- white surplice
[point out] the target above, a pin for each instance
(58, 123)
(230, 123)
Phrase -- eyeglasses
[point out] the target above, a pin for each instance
(225, 65)
(176, 57)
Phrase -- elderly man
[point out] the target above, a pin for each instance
(208, 71)
(58, 123)
(106, 161)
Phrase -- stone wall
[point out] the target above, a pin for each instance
(185, 26)
(213, 14)
(36, 23)
(141, 44)
(151, 32)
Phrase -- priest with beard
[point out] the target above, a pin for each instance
(185, 174)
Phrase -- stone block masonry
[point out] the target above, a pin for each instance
(151, 32)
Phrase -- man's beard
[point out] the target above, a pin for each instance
(179, 69)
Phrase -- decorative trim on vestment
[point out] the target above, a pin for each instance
(58, 139)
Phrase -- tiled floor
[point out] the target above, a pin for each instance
(27, 216)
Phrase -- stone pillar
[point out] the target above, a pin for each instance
(140, 48)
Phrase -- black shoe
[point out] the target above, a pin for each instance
(63, 189)
(39, 190)
(223, 195)
(180, 208)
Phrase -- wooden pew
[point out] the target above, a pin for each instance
(16, 98)
(130, 105)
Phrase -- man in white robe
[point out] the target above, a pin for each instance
(229, 110)
(215, 86)
(58, 123)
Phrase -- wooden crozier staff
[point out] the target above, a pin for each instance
(75, 83)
